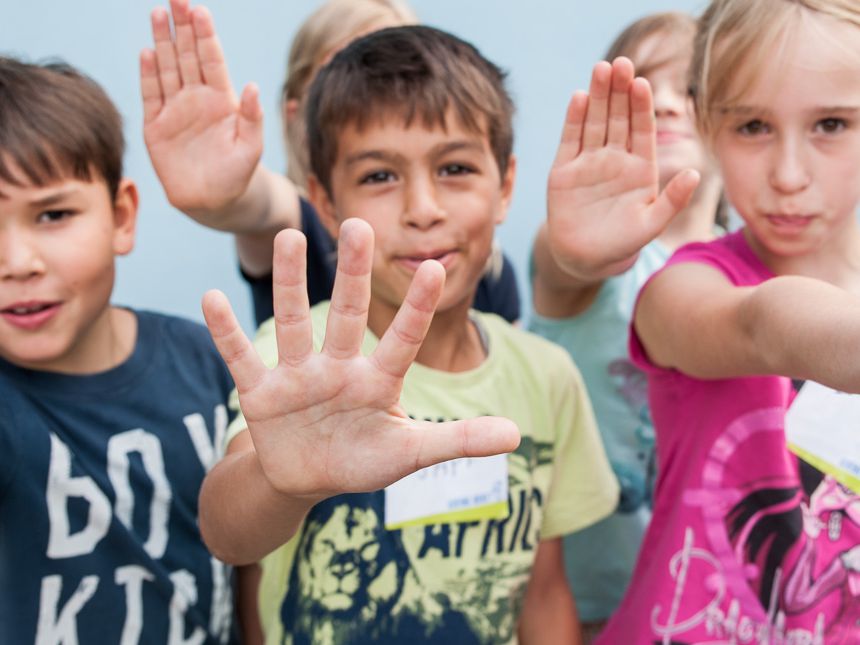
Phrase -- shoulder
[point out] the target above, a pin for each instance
(731, 255)
(498, 291)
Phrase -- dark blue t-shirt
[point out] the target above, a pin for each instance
(99, 477)
(496, 294)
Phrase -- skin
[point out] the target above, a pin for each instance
(789, 149)
(57, 248)
(578, 247)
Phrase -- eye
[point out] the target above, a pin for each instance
(754, 128)
(377, 177)
(54, 215)
(454, 169)
(831, 125)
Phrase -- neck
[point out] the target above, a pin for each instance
(452, 344)
(696, 222)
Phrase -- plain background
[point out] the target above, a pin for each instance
(548, 47)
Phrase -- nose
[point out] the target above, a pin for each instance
(668, 100)
(789, 167)
(19, 257)
(422, 209)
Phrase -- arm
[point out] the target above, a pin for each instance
(691, 318)
(205, 143)
(549, 614)
(603, 198)
(324, 424)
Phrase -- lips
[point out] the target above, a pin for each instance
(670, 136)
(413, 261)
(789, 223)
(30, 315)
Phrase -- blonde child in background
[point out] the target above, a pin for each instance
(747, 543)
(205, 143)
(586, 307)
(410, 130)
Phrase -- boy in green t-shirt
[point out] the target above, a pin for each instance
(410, 137)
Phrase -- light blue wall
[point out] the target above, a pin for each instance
(548, 47)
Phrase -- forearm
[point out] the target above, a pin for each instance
(556, 292)
(805, 328)
(242, 517)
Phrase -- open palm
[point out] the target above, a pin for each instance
(330, 422)
(603, 197)
(203, 141)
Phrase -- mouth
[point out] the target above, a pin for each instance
(666, 137)
(412, 262)
(30, 315)
(789, 223)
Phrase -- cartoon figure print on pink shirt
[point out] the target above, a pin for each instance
(784, 553)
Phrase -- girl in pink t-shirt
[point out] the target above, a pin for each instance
(747, 543)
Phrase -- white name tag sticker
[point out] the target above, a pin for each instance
(822, 427)
(461, 490)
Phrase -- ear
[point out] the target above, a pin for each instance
(125, 216)
(325, 208)
(507, 189)
(290, 110)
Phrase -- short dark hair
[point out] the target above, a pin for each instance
(417, 72)
(56, 122)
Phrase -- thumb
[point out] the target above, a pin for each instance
(480, 437)
(674, 197)
(250, 123)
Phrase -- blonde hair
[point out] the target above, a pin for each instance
(678, 27)
(332, 26)
(735, 36)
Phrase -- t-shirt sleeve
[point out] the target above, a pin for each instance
(583, 489)
(499, 294)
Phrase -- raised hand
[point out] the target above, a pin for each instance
(603, 197)
(204, 142)
(330, 422)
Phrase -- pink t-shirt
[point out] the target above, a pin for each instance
(747, 544)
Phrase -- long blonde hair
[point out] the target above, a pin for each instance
(332, 26)
(735, 36)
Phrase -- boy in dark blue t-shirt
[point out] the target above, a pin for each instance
(109, 418)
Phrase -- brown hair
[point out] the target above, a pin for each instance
(680, 29)
(56, 122)
(734, 36)
(417, 72)
(327, 29)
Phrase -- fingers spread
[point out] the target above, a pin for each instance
(347, 318)
(293, 328)
(643, 136)
(571, 133)
(479, 437)
(213, 68)
(594, 135)
(165, 53)
(237, 351)
(150, 86)
(618, 130)
(402, 340)
(186, 48)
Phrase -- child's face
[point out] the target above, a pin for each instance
(789, 148)
(57, 248)
(678, 143)
(427, 193)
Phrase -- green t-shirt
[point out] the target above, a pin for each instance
(344, 578)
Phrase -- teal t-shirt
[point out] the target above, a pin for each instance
(600, 558)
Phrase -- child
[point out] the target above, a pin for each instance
(205, 144)
(409, 130)
(109, 417)
(735, 551)
(588, 312)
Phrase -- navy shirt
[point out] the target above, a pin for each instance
(99, 477)
(495, 294)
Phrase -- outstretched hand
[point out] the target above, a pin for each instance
(330, 422)
(203, 141)
(603, 198)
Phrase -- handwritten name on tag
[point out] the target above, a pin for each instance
(460, 490)
(822, 427)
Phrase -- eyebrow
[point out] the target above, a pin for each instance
(441, 149)
(54, 198)
(825, 109)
